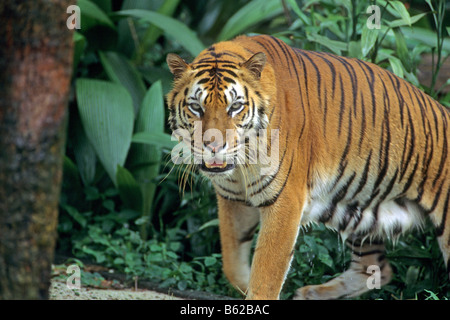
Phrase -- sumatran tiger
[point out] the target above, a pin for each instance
(359, 149)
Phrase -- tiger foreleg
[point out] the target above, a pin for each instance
(368, 270)
(274, 249)
(237, 224)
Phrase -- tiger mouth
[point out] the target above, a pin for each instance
(216, 167)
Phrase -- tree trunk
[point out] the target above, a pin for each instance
(35, 74)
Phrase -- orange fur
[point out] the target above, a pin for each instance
(361, 150)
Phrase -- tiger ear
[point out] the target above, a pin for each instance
(176, 65)
(256, 64)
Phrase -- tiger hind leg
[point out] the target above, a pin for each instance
(368, 270)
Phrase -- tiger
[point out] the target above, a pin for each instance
(359, 149)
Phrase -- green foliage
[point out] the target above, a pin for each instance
(122, 204)
(106, 112)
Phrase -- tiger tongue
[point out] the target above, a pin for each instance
(214, 164)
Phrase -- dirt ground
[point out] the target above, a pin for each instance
(99, 283)
(60, 291)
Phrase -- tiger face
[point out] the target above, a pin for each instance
(215, 106)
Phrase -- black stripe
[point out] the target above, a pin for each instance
(425, 166)
(319, 95)
(386, 192)
(352, 209)
(353, 78)
(267, 182)
(441, 228)
(342, 106)
(235, 199)
(384, 151)
(200, 73)
(248, 234)
(364, 177)
(300, 60)
(229, 80)
(362, 131)
(332, 68)
(281, 45)
(371, 86)
(436, 199)
(234, 54)
(411, 176)
(221, 70)
(443, 161)
(204, 80)
(288, 54)
(231, 66)
(404, 166)
(271, 50)
(341, 171)
(274, 199)
(396, 86)
(205, 62)
(418, 94)
(366, 253)
(328, 214)
(228, 190)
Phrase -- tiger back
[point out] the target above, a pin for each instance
(357, 148)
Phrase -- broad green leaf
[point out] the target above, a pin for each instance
(210, 223)
(396, 66)
(412, 275)
(126, 28)
(84, 153)
(336, 46)
(106, 111)
(368, 39)
(425, 36)
(151, 35)
(151, 116)
(172, 27)
(76, 215)
(209, 261)
(129, 189)
(401, 11)
(253, 12)
(354, 49)
(147, 158)
(121, 71)
(402, 49)
(161, 140)
(91, 10)
(304, 18)
(402, 22)
(430, 4)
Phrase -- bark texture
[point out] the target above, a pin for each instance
(35, 74)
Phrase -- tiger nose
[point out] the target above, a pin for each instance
(214, 147)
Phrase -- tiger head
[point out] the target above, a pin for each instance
(215, 101)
